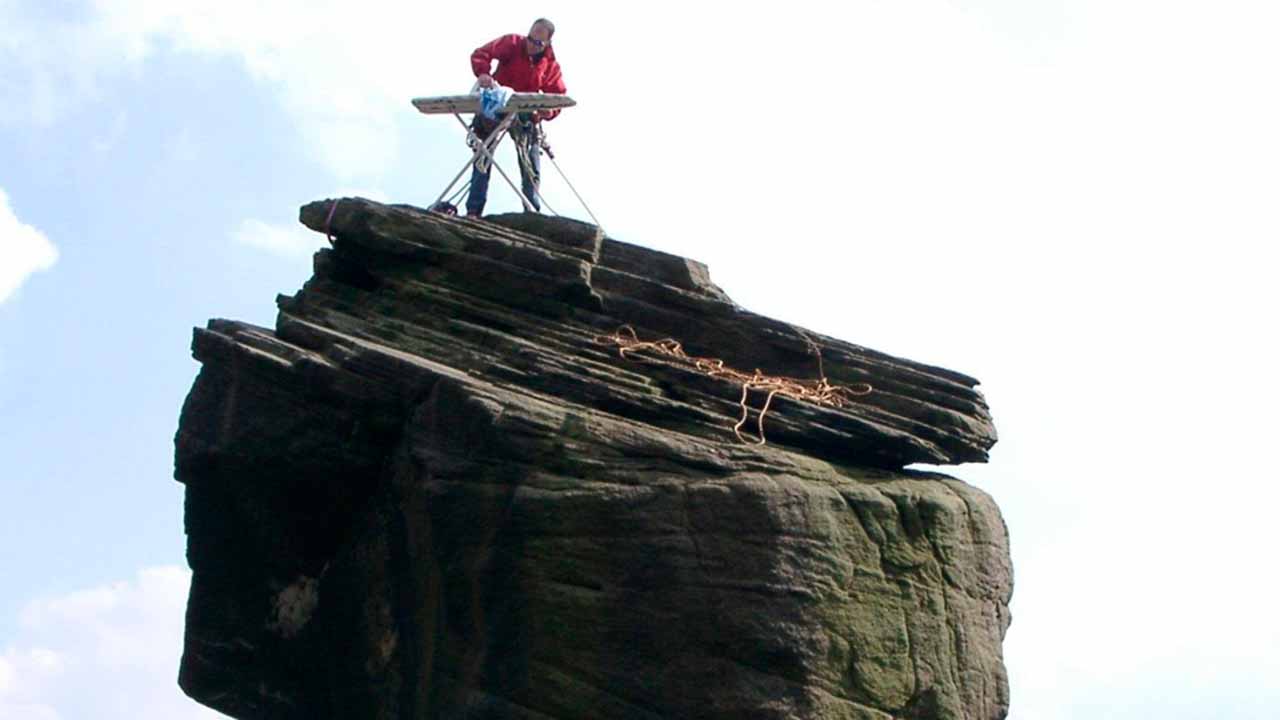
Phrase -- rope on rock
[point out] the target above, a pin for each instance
(328, 221)
(669, 351)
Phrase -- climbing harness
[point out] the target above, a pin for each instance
(669, 351)
(526, 135)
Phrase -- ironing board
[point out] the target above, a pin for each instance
(456, 105)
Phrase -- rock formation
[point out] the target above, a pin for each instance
(437, 490)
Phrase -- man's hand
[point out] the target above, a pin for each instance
(486, 80)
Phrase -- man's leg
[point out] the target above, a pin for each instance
(531, 176)
(479, 192)
(480, 168)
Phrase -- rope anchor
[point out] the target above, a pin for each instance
(670, 352)
(328, 221)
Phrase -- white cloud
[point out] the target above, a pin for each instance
(108, 652)
(343, 72)
(287, 241)
(25, 676)
(23, 250)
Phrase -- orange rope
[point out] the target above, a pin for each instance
(670, 352)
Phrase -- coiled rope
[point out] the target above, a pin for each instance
(669, 351)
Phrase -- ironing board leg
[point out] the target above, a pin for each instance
(491, 141)
(528, 206)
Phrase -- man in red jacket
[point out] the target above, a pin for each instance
(526, 63)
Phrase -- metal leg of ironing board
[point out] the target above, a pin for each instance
(493, 139)
(528, 206)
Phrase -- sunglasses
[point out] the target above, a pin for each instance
(536, 42)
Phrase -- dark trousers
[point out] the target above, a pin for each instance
(528, 145)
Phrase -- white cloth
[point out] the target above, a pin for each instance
(493, 99)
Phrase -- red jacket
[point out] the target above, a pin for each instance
(517, 70)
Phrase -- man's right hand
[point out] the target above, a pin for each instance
(486, 80)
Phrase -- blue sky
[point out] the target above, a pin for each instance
(1072, 201)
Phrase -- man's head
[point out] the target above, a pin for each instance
(539, 38)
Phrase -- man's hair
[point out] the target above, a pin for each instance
(550, 26)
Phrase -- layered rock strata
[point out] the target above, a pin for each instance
(434, 490)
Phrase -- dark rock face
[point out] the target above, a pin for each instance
(432, 492)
